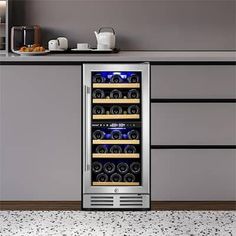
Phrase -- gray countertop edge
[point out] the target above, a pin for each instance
(127, 56)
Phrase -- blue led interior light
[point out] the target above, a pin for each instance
(116, 128)
(109, 74)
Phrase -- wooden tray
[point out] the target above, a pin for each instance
(116, 141)
(116, 183)
(116, 101)
(124, 85)
(108, 117)
(115, 155)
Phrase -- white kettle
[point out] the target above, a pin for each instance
(106, 38)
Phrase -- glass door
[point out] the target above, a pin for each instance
(116, 128)
(117, 145)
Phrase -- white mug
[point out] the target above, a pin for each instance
(53, 44)
(83, 46)
(63, 43)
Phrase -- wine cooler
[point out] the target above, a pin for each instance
(116, 136)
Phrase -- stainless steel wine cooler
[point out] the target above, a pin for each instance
(116, 136)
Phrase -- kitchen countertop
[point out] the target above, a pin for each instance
(132, 56)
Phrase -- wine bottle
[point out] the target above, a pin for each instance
(123, 167)
(135, 167)
(133, 94)
(115, 177)
(98, 94)
(116, 78)
(96, 167)
(133, 79)
(102, 177)
(133, 134)
(109, 168)
(98, 110)
(116, 134)
(98, 79)
(134, 109)
(129, 177)
(115, 110)
(115, 94)
(130, 149)
(98, 134)
(115, 149)
(101, 149)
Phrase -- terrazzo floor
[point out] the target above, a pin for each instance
(80, 223)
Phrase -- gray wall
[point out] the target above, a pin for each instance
(140, 24)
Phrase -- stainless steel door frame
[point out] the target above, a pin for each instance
(144, 68)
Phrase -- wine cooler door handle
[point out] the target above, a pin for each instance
(86, 91)
(85, 127)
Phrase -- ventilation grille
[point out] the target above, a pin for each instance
(131, 201)
(101, 201)
(116, 201)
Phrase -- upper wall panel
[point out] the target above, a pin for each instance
(140, 24)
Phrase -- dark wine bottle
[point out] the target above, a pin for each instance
(115, 149)
(115, 177)
(130, 149)
(102, 177)
(98, 110)
(133, 94)
(129, 177)
(123, 167)
(98, 79)
(98, 93)
(96, 167)
(133, 134)
(115, 110)
(135, 167)
(101, 149)
(133, 79)
(98, 134)
(116, 134)
(134, 109)
(115, 94)
(109, 168)
(116, 78)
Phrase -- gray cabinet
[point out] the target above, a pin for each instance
(193, 124)
(40, 144)
(183, 174)
(193, 175)
(197, 81)
(40, 133)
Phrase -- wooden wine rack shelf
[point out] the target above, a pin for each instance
(116, 155)
(116, 183)
(116, 141)
(109, 117)
(116, 101)
(125, 85)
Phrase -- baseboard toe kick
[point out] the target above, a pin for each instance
(155, 205)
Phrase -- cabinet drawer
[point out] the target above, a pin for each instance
(193, 81)
(205, 123)
(193, 175)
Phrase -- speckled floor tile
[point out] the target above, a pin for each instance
(92, 223)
